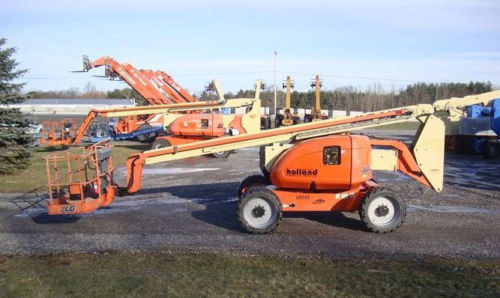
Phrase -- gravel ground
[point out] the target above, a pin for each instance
(190, 205)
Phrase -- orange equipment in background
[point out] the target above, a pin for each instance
(80, 183)
(58, 132)
(156, 87)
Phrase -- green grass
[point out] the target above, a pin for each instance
(193, 275)
(34, 177)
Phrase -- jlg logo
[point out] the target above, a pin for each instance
(301, 172)
(67, 209)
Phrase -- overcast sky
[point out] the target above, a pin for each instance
(359, 43)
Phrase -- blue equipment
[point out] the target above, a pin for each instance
(479, 132)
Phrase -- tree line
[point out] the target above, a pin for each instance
(370, 99)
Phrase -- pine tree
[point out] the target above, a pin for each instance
(15, 142)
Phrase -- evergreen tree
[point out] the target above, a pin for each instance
(15, 142)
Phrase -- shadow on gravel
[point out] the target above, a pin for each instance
(55, 219)
(335, 219)
(221, 203)
(218, 198)
(34, 205)
(30, 200)
(472, 172)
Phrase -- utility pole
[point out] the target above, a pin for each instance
(437, 92)
(275, 89)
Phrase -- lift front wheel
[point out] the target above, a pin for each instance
(160, 143)
(259, 210)
(383, 211)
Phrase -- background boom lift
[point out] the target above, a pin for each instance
(195, 126)
(316, 113)
(137, 117)
(155, 86)
(288, 118)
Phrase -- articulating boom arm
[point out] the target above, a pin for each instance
(133, 78)
(427, 160)
(155, 86)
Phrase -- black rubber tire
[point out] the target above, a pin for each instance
(398, 204)
(278, 120)
(145, 138)
(160, 143)
(266, 123)
(223, 154)
(463, 145)
(101, 133)
(491, 150)
(250, 181)
(307, 118)
(273, 201)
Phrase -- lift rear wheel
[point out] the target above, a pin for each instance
(223, 154)
(101, 132)
(383, 211)
(253, 180)
(491, 150)
(160, 143)
(259, 210)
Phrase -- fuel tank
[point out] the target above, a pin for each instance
(209, 125)
(329, 163)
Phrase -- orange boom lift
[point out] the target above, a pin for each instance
(318, 166)
(156, 87)
(171, 106)
(58, 132)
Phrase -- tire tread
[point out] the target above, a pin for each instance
(364, 207)
(266, 193)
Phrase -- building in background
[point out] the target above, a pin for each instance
(70, 106)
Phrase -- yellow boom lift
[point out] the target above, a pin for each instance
(316, 113)
(288, 118)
